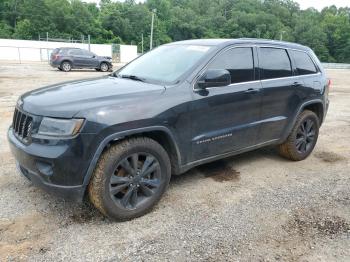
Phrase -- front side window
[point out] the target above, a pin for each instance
(238, 61)
(164, 64)
(274, 63)
(87, 53)
(303, 63)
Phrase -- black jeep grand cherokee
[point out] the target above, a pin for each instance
(119, 138)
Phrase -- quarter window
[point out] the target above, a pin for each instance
(238, 61)
(303, 63)
(274, 63)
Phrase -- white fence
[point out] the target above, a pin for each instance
(336, 66)
(27, 50)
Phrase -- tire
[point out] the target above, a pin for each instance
(59, 68)
(104, 67)
(112, 187)
(97, 69)
(66, 66)
(303, 137)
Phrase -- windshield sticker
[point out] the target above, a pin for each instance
(199, 48)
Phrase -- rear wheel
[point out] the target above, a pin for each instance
(66, 66)
(130, 178)
(104, 67)
(303, 137)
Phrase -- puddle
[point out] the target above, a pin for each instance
(329, 157)
(219, 171)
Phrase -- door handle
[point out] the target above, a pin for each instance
(296, 84)
(252, 91)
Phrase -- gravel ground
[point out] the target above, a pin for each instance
(252, 207)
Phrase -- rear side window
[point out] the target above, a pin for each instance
(76, 52)
(303, 63)
(238, 61)
(274, 63)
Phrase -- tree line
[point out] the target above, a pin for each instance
(327, 32)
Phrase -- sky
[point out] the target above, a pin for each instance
(320, 4)
(304, 4)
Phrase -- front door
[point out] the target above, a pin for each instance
(226, 118)
(84, 58)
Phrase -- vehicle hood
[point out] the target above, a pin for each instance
(69, 98)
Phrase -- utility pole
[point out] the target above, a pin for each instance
(89, 42)
(281, 36)
(142, 44)
(151, 39)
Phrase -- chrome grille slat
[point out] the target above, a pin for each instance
(22, 125)
(17, 120)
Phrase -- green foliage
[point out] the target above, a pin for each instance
(326, 32)
(5, 30)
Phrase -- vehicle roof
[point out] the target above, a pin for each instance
(68, 48)
(225, 42)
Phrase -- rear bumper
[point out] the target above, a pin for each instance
(54, 64)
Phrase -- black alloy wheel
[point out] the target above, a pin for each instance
(136, 178)
(302, 138)
(130, 178)
(305, 136)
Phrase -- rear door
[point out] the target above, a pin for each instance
(308, 73)
(278, 92)
(226, 118)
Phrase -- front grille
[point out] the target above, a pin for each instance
(22, 125)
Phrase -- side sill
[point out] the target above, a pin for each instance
(190, 165)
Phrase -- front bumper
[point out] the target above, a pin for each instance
(74, 193)
(58, 167)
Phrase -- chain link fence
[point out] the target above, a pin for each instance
(20, 54)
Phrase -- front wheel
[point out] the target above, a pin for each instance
(104, 67)
(303, 137)
(130, 178)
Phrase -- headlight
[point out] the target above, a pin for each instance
(60, 127)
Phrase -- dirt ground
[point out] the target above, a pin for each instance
(252, 207)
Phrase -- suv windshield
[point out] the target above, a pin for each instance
(164, 64)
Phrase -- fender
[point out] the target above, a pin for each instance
(301, 108)
(120, 135)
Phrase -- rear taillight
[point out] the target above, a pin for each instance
(54, 57)
(329, 82)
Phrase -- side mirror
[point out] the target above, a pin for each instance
(214, 78)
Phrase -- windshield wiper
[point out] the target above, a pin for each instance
(132, 77)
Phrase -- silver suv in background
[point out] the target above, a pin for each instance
(67, 58)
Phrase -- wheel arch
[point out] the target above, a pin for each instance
(104, 62)
(159, 133)
(66, 60)
(316, 106)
